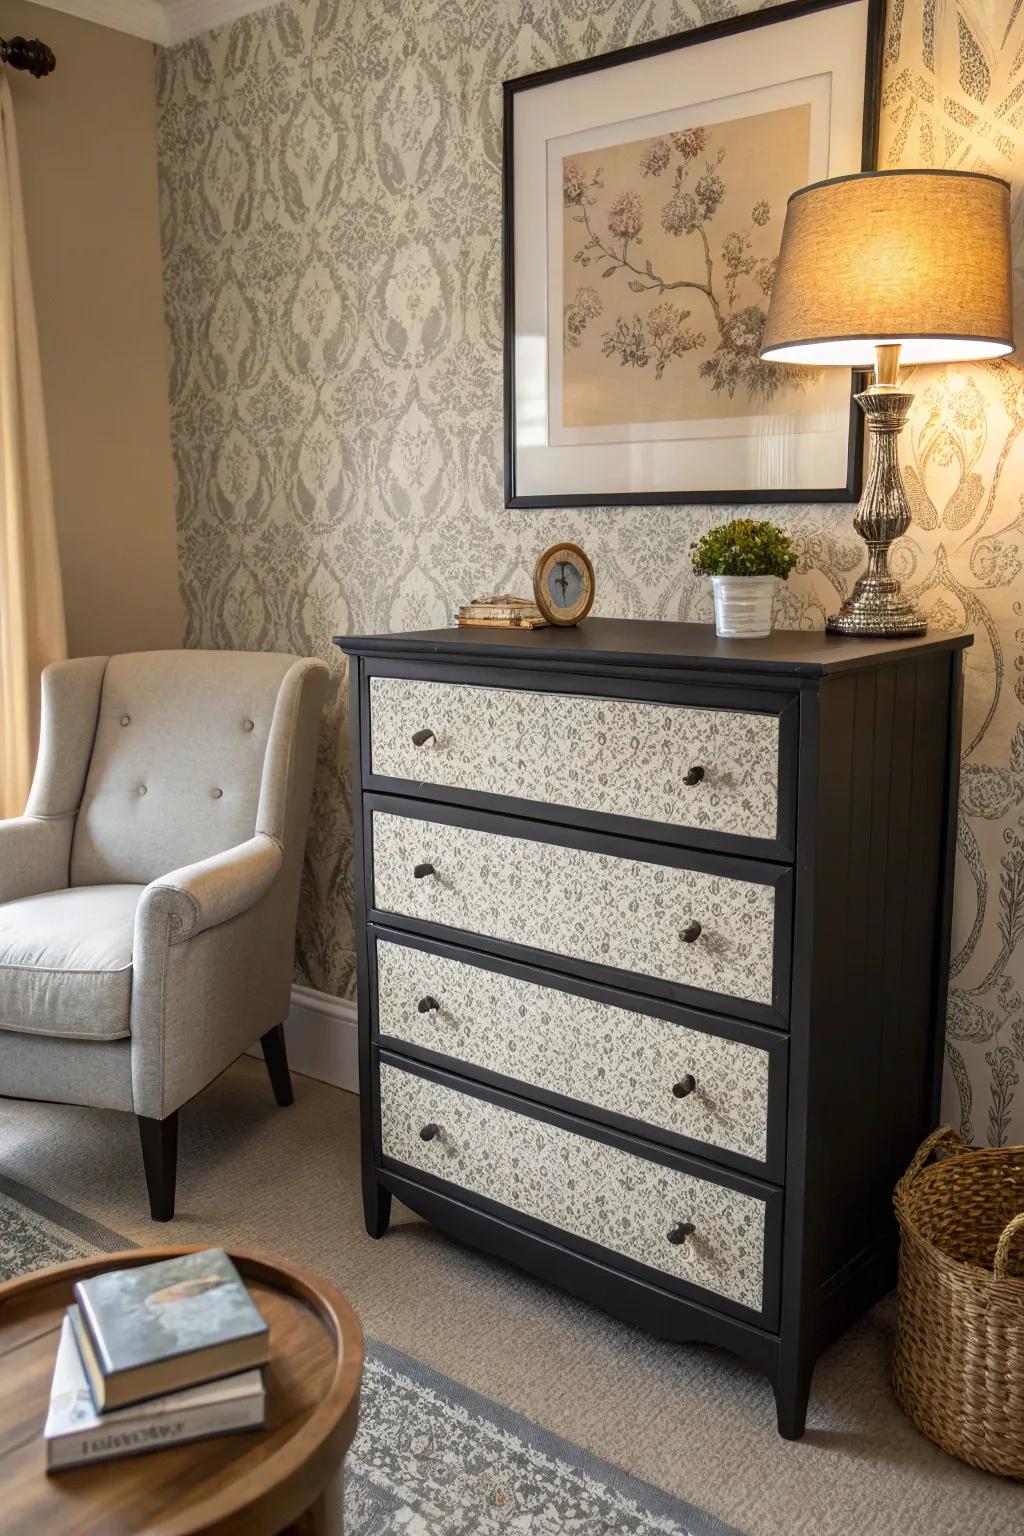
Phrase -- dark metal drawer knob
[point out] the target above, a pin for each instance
(428, 1005)
(429, 1132)
(684, 1086)
(425, 869)
(691, 932)
(693, 777)
(420, 738)
(679, 1233)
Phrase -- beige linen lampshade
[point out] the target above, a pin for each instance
(920, 258)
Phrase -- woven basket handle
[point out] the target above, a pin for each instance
(1001, 1266)
(943, 1137)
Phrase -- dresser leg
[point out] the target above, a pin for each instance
(376, 1206)
(792, 1391)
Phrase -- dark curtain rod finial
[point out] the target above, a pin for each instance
(30, 54)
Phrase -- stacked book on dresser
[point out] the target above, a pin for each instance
(154, 1356)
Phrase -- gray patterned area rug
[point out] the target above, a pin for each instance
(431, 1458)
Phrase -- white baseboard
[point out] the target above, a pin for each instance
(322, 1038)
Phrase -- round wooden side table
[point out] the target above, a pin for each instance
(286, 1477)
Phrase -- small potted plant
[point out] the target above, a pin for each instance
(744, 559)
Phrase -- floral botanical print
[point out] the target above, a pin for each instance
(331, 199)
(670, 251)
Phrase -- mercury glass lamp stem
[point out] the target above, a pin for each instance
(877, 606)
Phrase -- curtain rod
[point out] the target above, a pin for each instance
(30, 54)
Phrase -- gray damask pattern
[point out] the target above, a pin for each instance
(331, 216)
(614, 1058)
(620, 756)
(626, 1204)
(570, 901)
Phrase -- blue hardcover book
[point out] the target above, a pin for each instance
(158, 1328)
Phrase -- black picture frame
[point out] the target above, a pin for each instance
(850, 490)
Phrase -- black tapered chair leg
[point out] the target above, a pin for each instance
(160, 1159)
(275, 1055)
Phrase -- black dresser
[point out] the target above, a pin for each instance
(653, 946)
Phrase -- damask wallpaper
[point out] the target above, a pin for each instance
(330, 178)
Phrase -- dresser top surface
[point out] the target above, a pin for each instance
(657, 644)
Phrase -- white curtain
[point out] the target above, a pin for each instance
(31, 603)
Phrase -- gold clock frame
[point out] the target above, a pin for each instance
(572, 555)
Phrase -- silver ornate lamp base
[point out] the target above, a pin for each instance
(877, 606)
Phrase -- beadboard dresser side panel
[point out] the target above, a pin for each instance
(873, 924)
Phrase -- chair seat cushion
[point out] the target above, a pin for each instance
(66, 962)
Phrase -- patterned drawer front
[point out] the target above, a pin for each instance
(571, 901)
(596, 1053)
(623, 757)
(582, 1187)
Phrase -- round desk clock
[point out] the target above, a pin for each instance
(563, 584)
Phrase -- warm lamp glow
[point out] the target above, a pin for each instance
(920, 258)
(859, 352)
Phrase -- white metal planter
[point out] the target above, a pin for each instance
(743, 606)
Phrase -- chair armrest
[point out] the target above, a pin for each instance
(202, 895)
(33, 855)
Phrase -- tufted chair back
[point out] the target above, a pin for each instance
(177, 764)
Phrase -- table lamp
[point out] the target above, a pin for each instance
(875, 267)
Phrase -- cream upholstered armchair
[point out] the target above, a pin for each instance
(148, 895)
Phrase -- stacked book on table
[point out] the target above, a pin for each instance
(153, 1356)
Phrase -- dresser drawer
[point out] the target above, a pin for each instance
(695, 1086)
(712, 770)
(591, 1189)
(677, 920)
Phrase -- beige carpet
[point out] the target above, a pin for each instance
(692, 1420)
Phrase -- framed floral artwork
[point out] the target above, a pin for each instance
(644, 197)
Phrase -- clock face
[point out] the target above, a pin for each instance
(563, 584)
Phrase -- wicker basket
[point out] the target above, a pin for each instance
(958, 1364)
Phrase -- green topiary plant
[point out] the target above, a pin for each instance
(744, 548)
